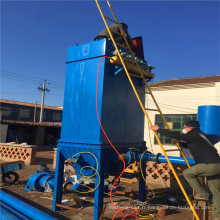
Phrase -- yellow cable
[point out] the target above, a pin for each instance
(88, 153)
(141, 104)
(96, 171)
(147, 216)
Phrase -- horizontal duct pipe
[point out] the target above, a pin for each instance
(19, 209)
(162, 159)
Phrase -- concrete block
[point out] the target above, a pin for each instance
(13, 152)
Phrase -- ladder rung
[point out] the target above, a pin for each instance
(126, 48)
(132, 61)
(150, 109)
(116, 32)
(111, 20)
(143, 91)
(135, 75)
(172, 150)
(149, 92)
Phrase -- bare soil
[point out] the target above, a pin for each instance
(43, 200)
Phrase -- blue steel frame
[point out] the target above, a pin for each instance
(102, 153)
(99, 192)
(120, 114)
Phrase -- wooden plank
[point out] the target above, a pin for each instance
(103, 211)
(73, 209)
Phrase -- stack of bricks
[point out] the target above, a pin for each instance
(161, 174)
(17, 152)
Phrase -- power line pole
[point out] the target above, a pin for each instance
(43, 88)
(35, 111)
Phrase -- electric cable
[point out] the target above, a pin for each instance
(174, 106)
(19, 79)
(22, 93)
(126, 198)
(53, 85)
(96, 171)
(147, 215)
(136, 215)
(97, 112)
(28, 77)
(141, 216)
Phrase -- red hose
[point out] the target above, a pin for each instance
(118, 210)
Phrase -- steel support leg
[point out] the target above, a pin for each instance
(142, 184)
(58, 186)
(99, 192)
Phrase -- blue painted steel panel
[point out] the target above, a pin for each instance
(79, 122)
(209, 119)
(120, 113)
(88, 50)
(122, 116)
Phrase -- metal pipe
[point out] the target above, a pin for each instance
(8, 212)
(162, 159)
(48, 179)
(174, 160)
(42, 181)
(148, 156)
(75, 186)
(23, 207)
(72, 187)
(39, 181)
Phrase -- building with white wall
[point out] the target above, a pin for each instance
(178, 100)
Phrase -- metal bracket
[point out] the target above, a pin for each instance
(119, 70)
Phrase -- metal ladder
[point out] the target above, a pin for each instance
(147, 91)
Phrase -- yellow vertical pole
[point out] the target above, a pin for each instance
(138, 98)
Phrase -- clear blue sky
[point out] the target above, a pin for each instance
(181, 39)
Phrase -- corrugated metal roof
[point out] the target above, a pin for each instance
(29, 104)
(187, 81)
(31, 123)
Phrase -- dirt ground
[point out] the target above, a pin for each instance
(43, 200)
